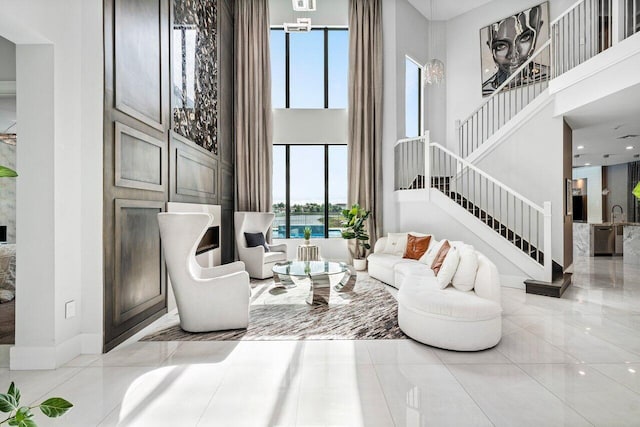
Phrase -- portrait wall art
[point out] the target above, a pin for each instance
(507, 44)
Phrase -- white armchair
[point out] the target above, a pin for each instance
(259, 262)
(208, 299)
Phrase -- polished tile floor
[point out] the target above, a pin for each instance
(570, 361)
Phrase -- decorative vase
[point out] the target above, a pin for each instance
(360, 264)
(307, 242)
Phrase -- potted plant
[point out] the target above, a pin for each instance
(307, 235)
(355, 228)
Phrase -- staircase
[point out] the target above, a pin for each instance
(525, 225)
(519, 226)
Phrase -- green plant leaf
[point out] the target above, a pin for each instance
(27, 423)
(7, 403)
(13, 422)
(55, 406)
(367, 246)
(636, 190)
(7, 173)
(13, 391)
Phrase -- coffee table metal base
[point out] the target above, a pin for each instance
(289, 274)
(320, 287)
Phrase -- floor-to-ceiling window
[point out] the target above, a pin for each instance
(309, 71)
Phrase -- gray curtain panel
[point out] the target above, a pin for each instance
(253, 121)
(365, 109)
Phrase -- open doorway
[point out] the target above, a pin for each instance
(8, 146)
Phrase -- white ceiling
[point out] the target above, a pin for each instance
(443, 10)
(599, 126)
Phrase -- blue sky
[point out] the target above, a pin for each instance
(307, 69)
(307, 174)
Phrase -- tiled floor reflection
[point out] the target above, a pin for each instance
(570, 361)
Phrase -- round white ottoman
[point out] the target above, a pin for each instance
(448, 318)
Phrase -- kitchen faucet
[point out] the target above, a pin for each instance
(612, 214)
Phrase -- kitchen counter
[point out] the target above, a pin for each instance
(582, 239)
(625, 240)
(631, 244)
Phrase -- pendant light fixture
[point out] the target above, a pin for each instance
(434, 69)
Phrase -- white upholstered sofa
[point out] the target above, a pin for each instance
(466, 317)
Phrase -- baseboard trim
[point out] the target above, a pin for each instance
(40, 358)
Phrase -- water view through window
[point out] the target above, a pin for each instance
(314, 201)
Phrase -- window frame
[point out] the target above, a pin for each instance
(287, 65)
(421, 119)
(288, 185)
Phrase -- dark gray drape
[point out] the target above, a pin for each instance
(633, 207)
(365, 109)
(253, 121)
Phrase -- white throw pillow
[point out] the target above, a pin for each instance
(465, 277)
(396, 244)
(449, 267)
(430, 255)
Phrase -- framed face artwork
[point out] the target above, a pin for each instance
(507, 44)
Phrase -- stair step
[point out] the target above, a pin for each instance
(554, 289)
(490, 222)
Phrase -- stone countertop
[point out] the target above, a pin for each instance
(631, 244)
(582, 239)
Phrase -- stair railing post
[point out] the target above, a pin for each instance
(548, 258)
(427, 164)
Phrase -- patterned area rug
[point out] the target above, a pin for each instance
(367, 311)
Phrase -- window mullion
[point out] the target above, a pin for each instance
(287, 194)
(287, 72)
(326, 191)
(326, 68)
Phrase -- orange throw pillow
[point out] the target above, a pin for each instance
(416, 246)
(440, 256)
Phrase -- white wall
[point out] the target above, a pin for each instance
(405, 33)
(593, 175)
(464, 80)
(530, 161)
(310, 126)
(7, 60)
(60, 88)
(8, 152)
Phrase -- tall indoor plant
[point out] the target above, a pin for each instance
(354, 221)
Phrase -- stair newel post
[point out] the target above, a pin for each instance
(427, 164)
(548, 258)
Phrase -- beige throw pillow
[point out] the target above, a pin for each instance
(396, 243)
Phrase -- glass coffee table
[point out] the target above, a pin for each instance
(320, 274)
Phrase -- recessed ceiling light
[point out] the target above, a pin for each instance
(587, 164)
(629, 147)
(580, 147)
